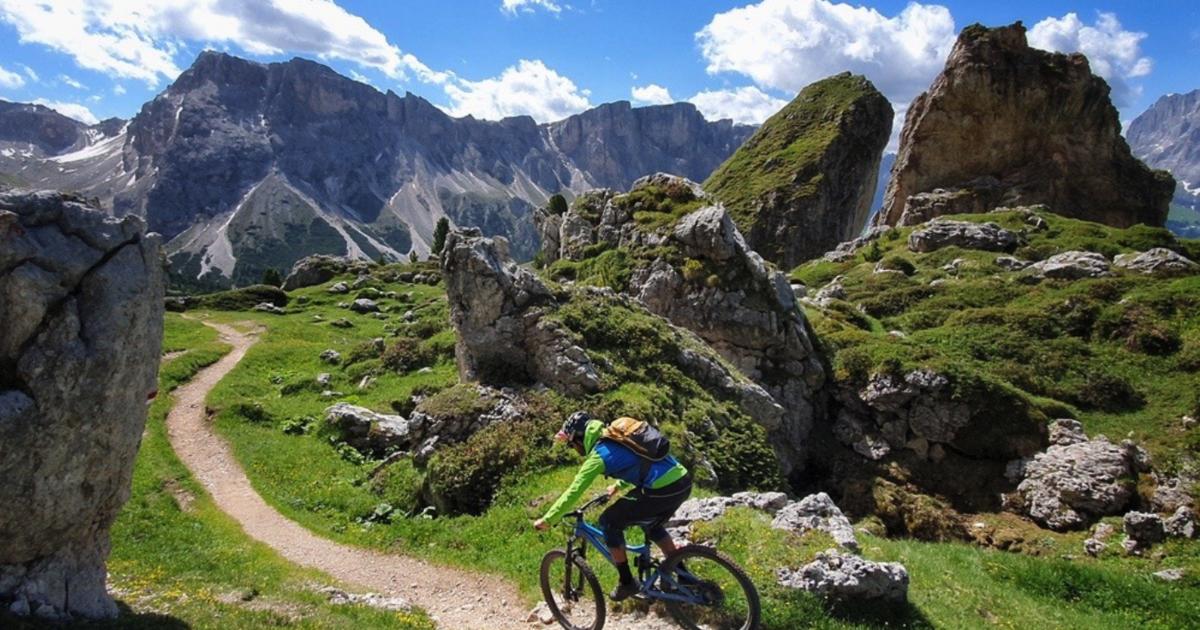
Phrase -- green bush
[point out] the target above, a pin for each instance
(400, 485)
(693, 270)
(872, 253)
(557, 204)
(899, 263)
(406, 354)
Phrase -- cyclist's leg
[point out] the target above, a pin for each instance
(613, 522)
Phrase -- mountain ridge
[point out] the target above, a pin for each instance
(301, 160)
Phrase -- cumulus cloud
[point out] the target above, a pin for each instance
(140, 40)
(747, 104)
(71, 110)
(652, 94)
(511, 7)
(528, 88)
(787, 44)
(1113, 52)
(10, 79)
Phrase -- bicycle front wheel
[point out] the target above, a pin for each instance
(718, 593)
(575, 600)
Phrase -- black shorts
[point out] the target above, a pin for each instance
(647, 508)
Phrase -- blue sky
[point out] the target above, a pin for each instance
(551, 58)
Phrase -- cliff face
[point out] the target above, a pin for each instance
(1005, 125)
(247, 166)
(804, 182)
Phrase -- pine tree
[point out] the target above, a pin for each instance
(412, 256)
(272, 277)
(439, 235)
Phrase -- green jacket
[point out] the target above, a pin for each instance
(592, 467)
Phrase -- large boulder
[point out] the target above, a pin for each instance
(1072, 265)
(318, 269)
(81, 298)
(1077, 480)
(1157, 261)
(844, 578)
(941, 233)
(805, 180)
(1050, 135)
(817, 512)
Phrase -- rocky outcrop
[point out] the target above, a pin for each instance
(941, 233)
(805, 180)
(1157, 261)
(496, 308)
(698, 272)
(1072, 265)
(845, 578)
(81, 298)
(319, 269)
(815, 512)
(1076, 479)
(1050, 135)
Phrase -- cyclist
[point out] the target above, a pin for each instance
(653, 496)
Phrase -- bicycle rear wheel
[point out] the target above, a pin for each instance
(579, 604)
(720, 594)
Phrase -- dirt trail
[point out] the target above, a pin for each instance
(454, 598)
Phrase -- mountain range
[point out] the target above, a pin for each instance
(1167, 136)
(245, 166)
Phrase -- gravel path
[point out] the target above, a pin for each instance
(453, 598)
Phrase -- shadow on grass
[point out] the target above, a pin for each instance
(126, 620)
(798, 609)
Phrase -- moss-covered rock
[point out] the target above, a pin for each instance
(805, 180)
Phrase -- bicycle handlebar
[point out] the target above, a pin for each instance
(596, 501)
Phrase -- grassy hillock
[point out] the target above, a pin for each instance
(1120, 353)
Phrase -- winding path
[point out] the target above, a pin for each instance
(452, 597)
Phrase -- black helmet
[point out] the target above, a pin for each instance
(573, 427)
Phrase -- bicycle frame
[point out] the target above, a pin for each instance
(586, 532)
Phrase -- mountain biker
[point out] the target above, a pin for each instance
(653, 496)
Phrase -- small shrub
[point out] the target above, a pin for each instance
(1107, 392)
(242, 299)
(399, 484)
(405, 355)
(898, 263)
(297, 426)
(252, 412)
(693, 270)
(557, 204)
(872, 253)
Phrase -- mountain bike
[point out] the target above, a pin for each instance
(700, 586)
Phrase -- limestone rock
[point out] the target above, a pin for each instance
(319, 269)
(1182, 523)
(1069, 484)
(1156, 261)
(1051, 135)
(817, 511)
(370, 432)
(494, 306)
(1143, 529)
(846, 578)
(1072, 265)
(941, 233)
(805, 180)
(81, 298)
(363, 305)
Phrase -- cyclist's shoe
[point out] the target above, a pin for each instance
(625, 590)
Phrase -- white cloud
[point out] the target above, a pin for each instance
(1113, 52)
(71, 110)
(787, 44)
(67, 80)
(33, 76)
(528, 88)
(140, 41)
(747, 104)
(652, 94)
(10, 79)
(119, 89)
(511, 7)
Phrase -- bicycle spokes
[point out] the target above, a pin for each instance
(707, 590)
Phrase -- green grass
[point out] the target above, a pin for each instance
(1120, 354)
(953, 585)
(177, 561)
